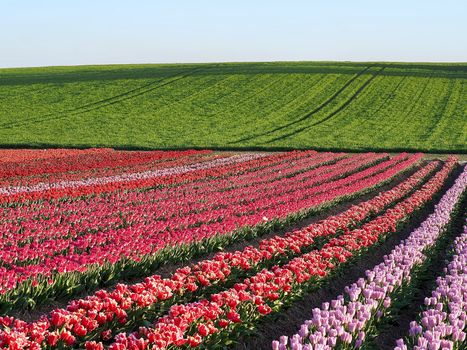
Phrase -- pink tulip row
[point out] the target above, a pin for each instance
(75, 251)
(443, 324)
(344, 322)
(80, 313)
(199, 322)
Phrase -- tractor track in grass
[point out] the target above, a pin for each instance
(167, 269)
(309, 114)
(244, 101)
(333, 113)
(439, 116)
(412, 106)
(288, 321)
(381, 106)
(387, 99)
(141, 90)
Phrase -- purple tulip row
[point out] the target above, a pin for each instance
(442, 325)
(344, 322)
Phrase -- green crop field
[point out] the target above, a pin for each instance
(323, 105)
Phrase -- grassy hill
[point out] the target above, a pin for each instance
(326, 105)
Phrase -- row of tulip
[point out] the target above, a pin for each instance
(140, 164)
(258, 166)
(211, 319)
(80, 248)
(344, 322)
(137, 165)
(43, 210)
(190, 176)
(25, 155)
(136, 302)
(443, 323)
(75, 160)
(9, 193)
(51, 288)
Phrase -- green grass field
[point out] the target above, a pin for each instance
(322, 105)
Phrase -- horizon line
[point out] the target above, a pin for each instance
(219, 62)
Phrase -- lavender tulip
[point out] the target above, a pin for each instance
(442, 325)
(343, 322)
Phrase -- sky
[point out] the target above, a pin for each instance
(69, 32)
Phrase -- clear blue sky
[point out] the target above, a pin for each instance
(66, 32)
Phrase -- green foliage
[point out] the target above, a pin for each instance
(322, 105)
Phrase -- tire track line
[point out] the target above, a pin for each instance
(332, 114)
(440, 114)
(414, 103)
(309, 114)
(384, 103)
(101, 103)
(266, 89)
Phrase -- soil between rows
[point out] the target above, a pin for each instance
(168, 269)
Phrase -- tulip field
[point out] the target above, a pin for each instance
(113, 249)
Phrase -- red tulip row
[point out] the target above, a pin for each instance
(97, 185)
(73, 160)
(216, 316)
(137, 165)
(25, 155)
(77, 252)
(103, 311)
